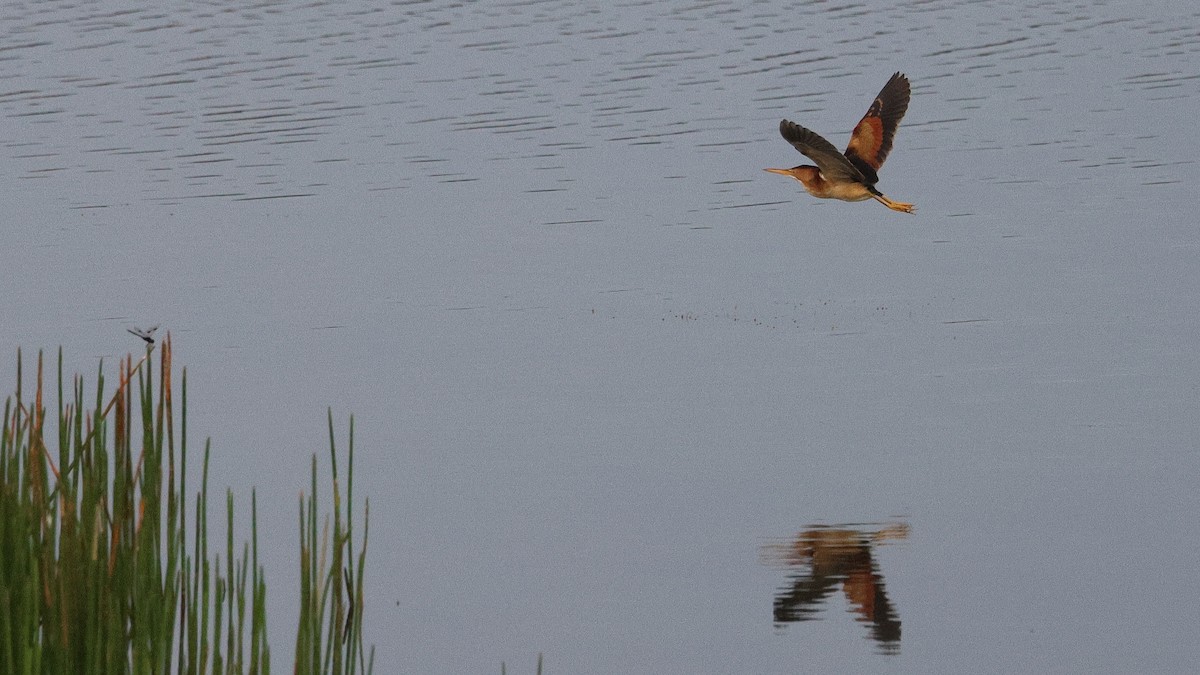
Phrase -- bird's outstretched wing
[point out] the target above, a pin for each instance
(872, 138)
(833, 164)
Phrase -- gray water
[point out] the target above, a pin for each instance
(620, 397)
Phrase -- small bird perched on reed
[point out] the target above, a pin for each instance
(851, 176)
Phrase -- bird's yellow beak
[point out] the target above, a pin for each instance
(781, 172)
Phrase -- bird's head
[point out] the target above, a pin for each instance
(805, 174)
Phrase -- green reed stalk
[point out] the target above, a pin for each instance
(329, 632)
(95, 572)
(504, 669)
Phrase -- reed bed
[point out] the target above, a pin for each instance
(101, 570)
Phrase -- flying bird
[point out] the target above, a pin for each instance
(851, 176)
(147, 335)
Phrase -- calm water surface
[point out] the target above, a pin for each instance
(620, 396)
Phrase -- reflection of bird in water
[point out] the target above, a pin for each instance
(147, 335)
(851, 176)
(839, 557)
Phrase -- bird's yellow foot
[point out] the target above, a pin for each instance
(894, 205)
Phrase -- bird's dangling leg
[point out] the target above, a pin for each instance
(894, 205)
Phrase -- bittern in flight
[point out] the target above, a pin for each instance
(851, 176)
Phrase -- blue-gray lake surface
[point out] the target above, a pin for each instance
(621, 397)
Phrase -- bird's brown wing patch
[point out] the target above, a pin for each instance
(872, 138)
